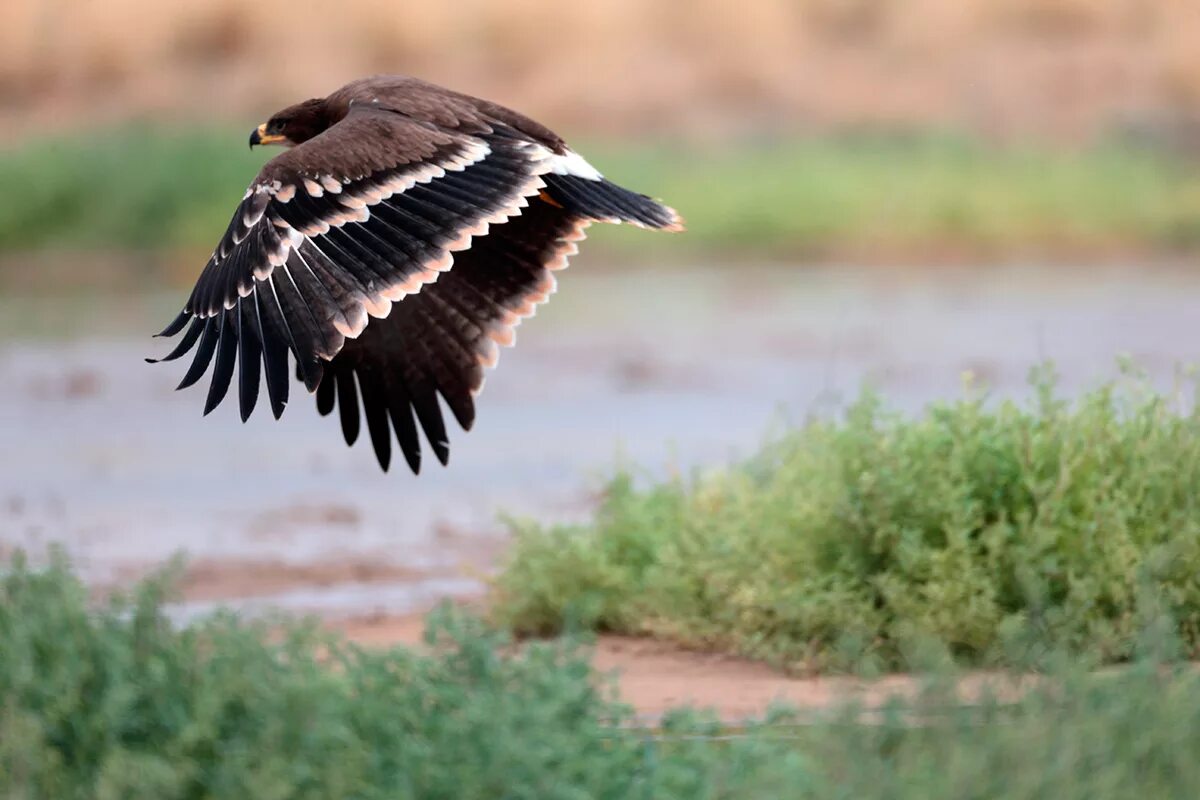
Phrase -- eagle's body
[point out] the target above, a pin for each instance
(403, 236)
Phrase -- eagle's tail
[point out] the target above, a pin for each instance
(604, 201)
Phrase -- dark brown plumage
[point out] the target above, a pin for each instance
(400, 239)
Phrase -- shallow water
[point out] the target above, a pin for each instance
(665, 369)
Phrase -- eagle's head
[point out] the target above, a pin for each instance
(294, 124)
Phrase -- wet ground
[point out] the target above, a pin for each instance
(665, 369)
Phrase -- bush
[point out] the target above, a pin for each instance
(120, 703)
(978, 533)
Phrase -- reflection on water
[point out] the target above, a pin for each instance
(668, 369)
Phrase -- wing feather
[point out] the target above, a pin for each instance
(223, 366)
(275, 336)
(375, 409)
(185, 344)
(204, 354)
(249, 358)
(400, 412)
(347, 401)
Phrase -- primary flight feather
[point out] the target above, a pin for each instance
(398, 241)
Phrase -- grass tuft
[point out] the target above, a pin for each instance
(979, 533)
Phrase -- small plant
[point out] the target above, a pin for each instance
(979, 533)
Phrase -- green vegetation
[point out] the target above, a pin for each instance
(875, 197)
(978, 533)
(931, 197)
(119, 703)
(128, 188)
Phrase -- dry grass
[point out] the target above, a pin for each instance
(1061, 68)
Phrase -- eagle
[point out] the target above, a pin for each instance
(394, 245)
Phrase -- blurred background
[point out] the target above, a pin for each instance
(893, 192)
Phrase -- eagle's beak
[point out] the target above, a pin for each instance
(260, 136)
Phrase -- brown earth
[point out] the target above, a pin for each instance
(1065, 69)
(216, 580)
(654, 676)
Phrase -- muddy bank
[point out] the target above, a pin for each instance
(655, 677)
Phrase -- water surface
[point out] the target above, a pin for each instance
(665, 369)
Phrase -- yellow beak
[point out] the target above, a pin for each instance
(260, 136)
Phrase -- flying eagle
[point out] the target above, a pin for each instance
(398, 241)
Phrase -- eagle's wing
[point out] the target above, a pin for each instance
(447, 109)
(439, 341)
(335, 231)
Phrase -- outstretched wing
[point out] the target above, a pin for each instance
(335, 231)
(438, 342)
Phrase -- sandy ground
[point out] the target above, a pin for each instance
(655, 677)
(670, 370)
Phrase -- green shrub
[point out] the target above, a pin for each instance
(974, 533)
(120, 703)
